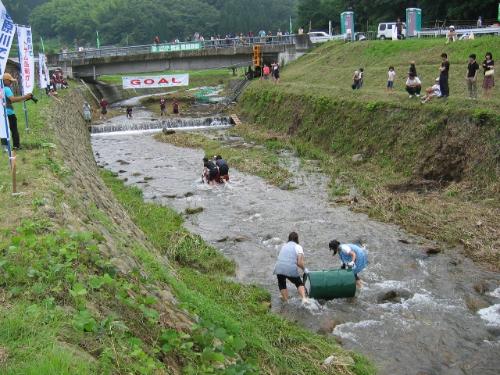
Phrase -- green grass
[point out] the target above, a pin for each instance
(328, 70)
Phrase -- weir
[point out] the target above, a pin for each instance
(181, 123)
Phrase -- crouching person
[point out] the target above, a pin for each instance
(352, 256)
(290, 259)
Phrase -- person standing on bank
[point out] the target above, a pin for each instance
(489, 74)
(444, 71)
(10, 98)
(472, 69)
(352, 256)
(290, 259)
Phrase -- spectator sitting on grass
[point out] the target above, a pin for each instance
(413, 85)
(432, 92)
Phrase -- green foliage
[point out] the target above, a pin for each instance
(137, 22)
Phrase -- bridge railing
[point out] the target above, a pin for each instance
(112, 51)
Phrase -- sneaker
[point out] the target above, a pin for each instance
(418, 95)
(411, 96)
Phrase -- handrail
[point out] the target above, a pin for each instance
(111, 51)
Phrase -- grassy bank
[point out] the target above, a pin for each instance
(92, 285)
(431, 168)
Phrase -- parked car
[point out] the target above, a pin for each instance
(385, 30)
(319, 36)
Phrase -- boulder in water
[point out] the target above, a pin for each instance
(393, 296)
(193, 211)
(432, 250)
(168, 131)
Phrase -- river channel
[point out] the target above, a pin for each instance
(416, 314)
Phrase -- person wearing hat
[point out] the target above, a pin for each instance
(432, 92)
(451, 35)
(352, 256)
(10, 98)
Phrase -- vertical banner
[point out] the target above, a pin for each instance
(42, 77)
(26, 59)
(7, 32)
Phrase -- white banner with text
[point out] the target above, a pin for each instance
(151, 82)
(7, 33)
(26, 59)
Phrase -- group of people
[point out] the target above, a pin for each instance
(291, 263)
(440, 88)
(215, 170)
(272, 70)
(163, 107)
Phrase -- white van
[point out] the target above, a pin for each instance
(319, 37)
(385, 30)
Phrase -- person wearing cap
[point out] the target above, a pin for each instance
(10, 98)
(352, 256)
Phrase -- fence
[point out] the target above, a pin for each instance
(112, 51)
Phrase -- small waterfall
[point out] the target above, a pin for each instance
(167, 123)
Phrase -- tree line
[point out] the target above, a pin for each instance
(138, 22)
(371, 12)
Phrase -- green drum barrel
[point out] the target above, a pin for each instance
(330, 284)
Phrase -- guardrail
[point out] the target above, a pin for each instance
(495, 30)
(176, 47)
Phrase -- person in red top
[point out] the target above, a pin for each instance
(104, 108)
(266, 71)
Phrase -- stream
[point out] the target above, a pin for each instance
(416, 314)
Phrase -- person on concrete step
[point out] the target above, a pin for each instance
(444, 71)
(11, 114)
(223, 169)
(129, 111)
(290, 260)
(352, 256)
(210, 171)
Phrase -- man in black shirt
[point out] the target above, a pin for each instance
(472, 69)
(210, 171)
(399, 29)
(443, 76)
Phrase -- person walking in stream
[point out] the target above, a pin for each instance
(290, 260)
(352, 256)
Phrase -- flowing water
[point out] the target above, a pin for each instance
(416, 314)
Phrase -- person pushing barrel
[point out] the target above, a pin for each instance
(290, 259)
(352, 256)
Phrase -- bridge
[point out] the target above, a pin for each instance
(211, 54)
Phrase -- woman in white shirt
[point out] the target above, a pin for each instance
(413, 85)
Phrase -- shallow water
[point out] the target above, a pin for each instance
(427, 329)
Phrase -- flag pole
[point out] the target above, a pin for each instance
(26, 124)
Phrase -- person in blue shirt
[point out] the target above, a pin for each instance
(352, 256)
(10, 98)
